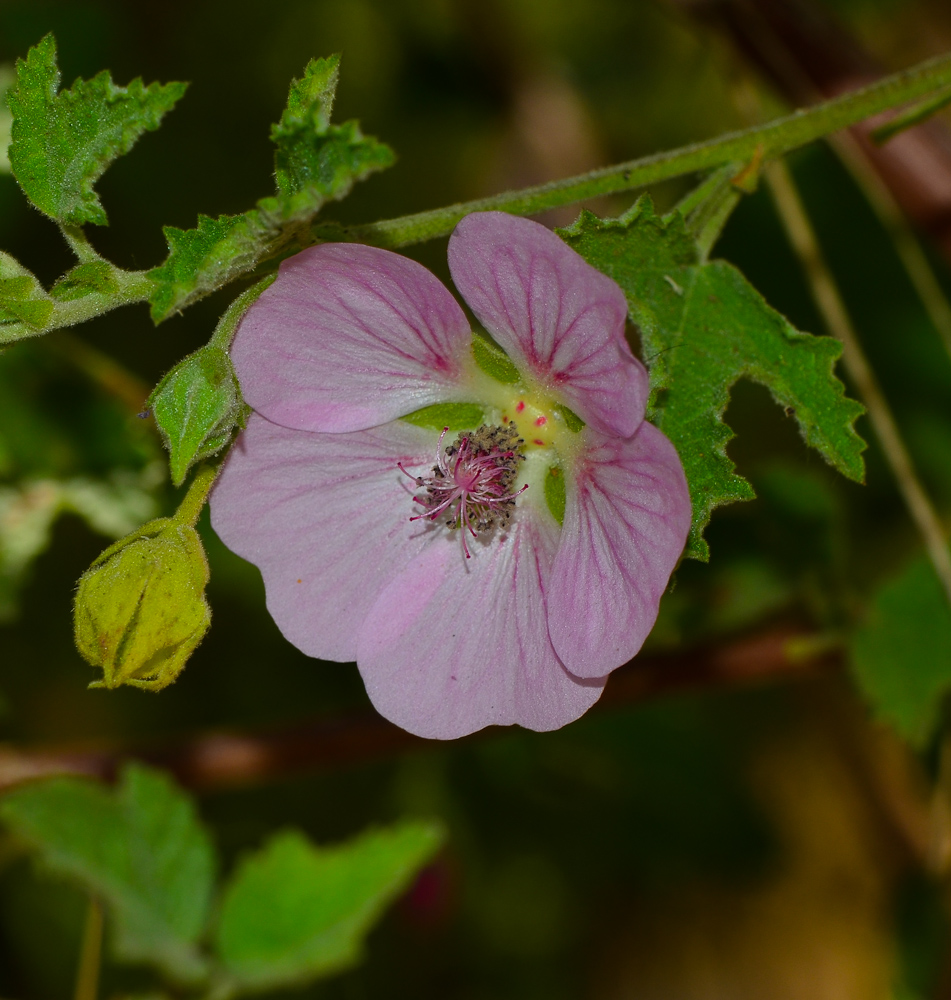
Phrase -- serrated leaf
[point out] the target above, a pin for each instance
(62, 142)
(25, 307)
(704, 327)
(140, 848)
(313, 154)
(294, 911)
(901, 654)
(196, 406)
(315, 162)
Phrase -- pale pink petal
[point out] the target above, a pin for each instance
(626, 522)
(559, 319)
(325, 517)
(349, 337)
(453, 645)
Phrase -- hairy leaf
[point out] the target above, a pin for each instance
(24, 305)
(314, 161)
(703, 328)
(295, 911)
(94, 277)
(197, 405)
(901, 655)
(62, 142)
(311, 153)
(140, 848)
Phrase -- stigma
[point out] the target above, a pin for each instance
(472, 480)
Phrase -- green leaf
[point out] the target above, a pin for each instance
(901, 655)
(25, 307)
(703, 328)
(138, 847)
(455, 416)
(62, 142)
(312, 154)
(295, 911)
(197, 405)
(315, 162)
(94, 277)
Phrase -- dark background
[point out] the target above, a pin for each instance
(738, 841)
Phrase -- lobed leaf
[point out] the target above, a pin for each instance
(315, 162)
(62, 142)
(901, 654)
(703, 327)
(295, 911)
(139, 847)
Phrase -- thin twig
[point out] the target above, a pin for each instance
(90, 955)
(832, 307)
(907, 246)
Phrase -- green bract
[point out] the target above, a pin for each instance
(140, 607)
(197, 406)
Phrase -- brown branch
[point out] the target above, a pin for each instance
(222, 759)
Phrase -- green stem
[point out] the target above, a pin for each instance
(134, 286)
(767, 141)
(90, 955)
(224, 331)
(190, 508)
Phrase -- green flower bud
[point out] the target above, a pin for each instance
(140, 607)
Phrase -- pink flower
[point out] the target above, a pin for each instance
(481, 577)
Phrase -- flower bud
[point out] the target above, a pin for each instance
(140, 607)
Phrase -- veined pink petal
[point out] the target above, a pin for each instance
(349, 337)
(325, 517)
(452, 645)
(626, 522)
(559, 319)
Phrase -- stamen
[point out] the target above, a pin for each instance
(472, 480)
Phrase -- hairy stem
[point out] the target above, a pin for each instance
(190, 508)
(831, 306)
(766, 141)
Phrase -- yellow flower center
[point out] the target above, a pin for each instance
(539, 424)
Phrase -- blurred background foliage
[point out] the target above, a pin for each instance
(762, 841)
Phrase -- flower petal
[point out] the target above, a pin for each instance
(453, 645)
(349, 337)
(558, 318)
(325, 517)
(626, 522)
